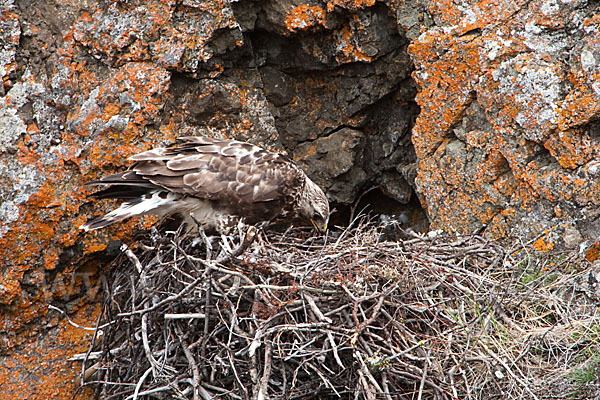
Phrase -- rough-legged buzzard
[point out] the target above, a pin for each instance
(213, 183)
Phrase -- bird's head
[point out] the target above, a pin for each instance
(313, 205)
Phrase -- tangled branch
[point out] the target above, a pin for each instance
(349, 316)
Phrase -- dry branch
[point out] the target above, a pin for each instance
(352, 316)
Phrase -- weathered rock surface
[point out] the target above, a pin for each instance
(506, 138)
(508, 134)
(87, 83)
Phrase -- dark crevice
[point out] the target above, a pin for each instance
(593, 129)
(375, 204)
(312, 97)
(329, 96)
(472, 32)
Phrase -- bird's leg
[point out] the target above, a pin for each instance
(260, 235)
(202, 237)
(225, 243)
(229, 253)
(224, 248)
(242, 230)
(207, 242)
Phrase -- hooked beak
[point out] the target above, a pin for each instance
(318, 228)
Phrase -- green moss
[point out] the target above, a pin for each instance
(589, 372)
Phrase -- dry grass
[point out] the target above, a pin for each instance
(347, 316)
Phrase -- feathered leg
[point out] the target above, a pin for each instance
(202, 237)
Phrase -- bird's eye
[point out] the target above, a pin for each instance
(316, 217)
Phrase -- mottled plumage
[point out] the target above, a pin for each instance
(214, 183)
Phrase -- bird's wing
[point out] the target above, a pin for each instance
(218, 170)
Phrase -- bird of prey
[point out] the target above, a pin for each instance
(213, 184)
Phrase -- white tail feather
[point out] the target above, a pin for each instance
(149, 204)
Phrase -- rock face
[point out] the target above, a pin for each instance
(508, 134)
(501, 137)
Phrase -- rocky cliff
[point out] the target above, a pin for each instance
(486, 112)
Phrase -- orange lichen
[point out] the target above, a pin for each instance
(579, 104)
(350, 48)
(543, 244)
(519, 90)
(571, 148)
(303, 17)
(40, 371)
(51, 258)
(446, 89)
(592, 253)
(49, 218)
(94, 242)
(352, 5)
(10, 22)
(11, 289)
(309, 151)
(477, 15)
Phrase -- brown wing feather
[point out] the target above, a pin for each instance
(239, 178)
(229, 171)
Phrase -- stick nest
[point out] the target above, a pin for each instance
(350, 315)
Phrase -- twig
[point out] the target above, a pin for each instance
(76, 325)
(185, 316)
(524, 385)
(425, 370)
(264, 380)
(380, 319)
(163, 302)
(151, 360)
(132, 257)
(192, 363)
(140, 382)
